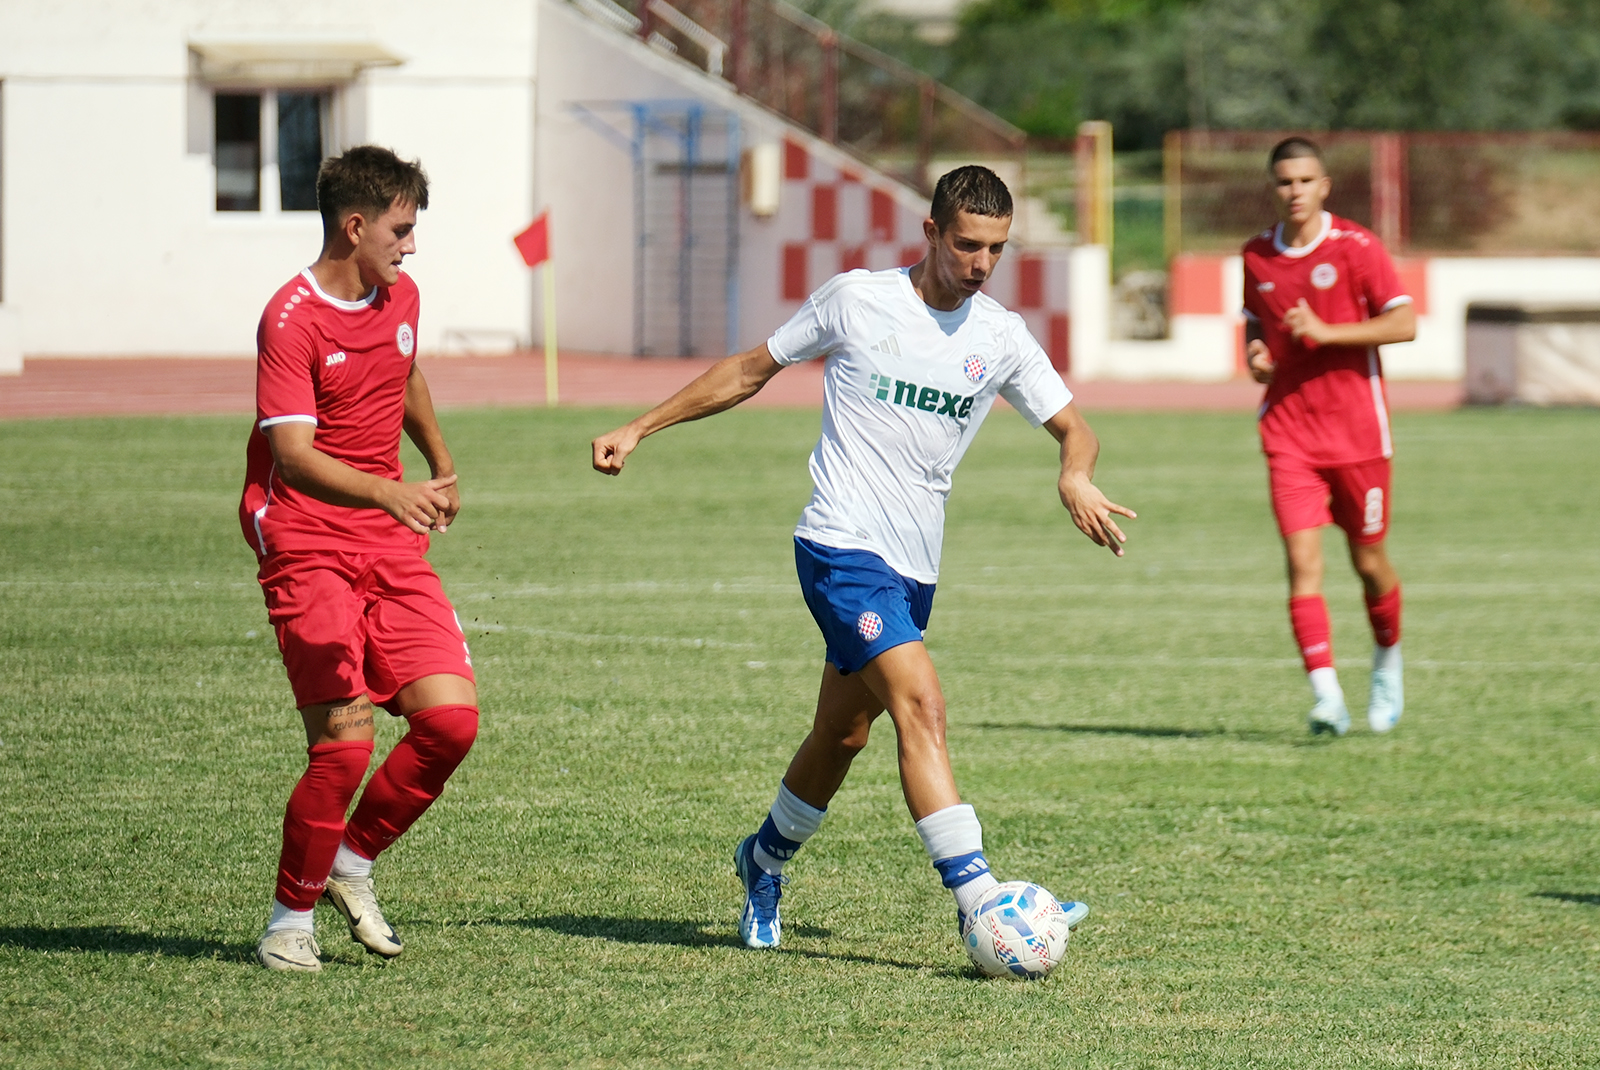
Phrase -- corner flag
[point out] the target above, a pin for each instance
(534, 245)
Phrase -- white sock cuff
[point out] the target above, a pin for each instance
(350, 865)
(1386, 657)
(1325, 682)
(288, 918)
(950, 832)
(795, 818)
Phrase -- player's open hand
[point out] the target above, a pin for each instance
(425, 506)
(1092, 512)
(1259, 360)
(1305, 324)
(611, 449)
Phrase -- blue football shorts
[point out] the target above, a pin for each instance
(863, 606)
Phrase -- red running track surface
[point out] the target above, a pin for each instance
(52, 387)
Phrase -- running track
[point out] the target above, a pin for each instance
(52, 387)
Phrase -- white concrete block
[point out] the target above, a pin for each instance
(10, 343)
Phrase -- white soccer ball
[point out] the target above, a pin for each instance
(1019, 931)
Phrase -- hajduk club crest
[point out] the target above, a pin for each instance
(975, 368)
(870, 625)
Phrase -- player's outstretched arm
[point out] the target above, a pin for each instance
(1090, 509)
(422, 427)
(722, 386)
(310, 471)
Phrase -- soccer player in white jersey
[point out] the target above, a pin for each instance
(915, 358)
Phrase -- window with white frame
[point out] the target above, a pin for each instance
(268, 146)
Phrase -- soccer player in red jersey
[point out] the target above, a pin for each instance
(361, 619)
(1320, 296)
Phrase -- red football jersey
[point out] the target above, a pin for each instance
(1325, 404)
(342, 367)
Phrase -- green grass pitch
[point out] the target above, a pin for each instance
(1131, 733)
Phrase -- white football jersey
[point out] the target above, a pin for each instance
(905, 388)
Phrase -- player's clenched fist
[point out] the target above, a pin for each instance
(611, 450)
(1259, 358)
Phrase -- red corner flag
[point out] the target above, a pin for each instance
(534, 243)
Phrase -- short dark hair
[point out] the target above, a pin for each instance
(1295, 148)
(972, 189)
(367, 179)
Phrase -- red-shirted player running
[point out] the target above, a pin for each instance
(1320, 296)
(360, 617)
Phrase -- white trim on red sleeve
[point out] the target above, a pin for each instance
(1395, 302)
(273, 421)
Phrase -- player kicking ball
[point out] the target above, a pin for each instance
(1320, 296)
(361, 619)
(915, 359)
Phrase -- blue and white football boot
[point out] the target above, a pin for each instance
(759, 926)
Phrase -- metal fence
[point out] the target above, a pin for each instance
(1462, 193)
(891, 116)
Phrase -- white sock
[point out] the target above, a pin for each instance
(791, 822)
(285, 918)
(1325, 683)
(1385, 658)
(954, 840)
(349, 866)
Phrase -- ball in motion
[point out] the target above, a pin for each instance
(1020, 931)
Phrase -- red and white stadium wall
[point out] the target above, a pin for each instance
(1206, 335)
(835, 216)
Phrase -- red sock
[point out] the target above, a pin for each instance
(411, 777)
(1384, 613)
(314, 819)
(1308, 615)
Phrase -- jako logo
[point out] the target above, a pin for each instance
(925, 398)
(332, 358)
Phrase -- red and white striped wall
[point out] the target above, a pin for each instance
(835, 216)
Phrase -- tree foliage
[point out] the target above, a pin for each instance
(1154, 65)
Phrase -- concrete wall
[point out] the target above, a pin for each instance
(586, 180)
(112, 244)
(1206, 338)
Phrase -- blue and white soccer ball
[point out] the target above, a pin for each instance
(1019, 931)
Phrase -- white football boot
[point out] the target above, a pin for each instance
(289, 949)
(1388, 700)
(1330, 713)
(359, 905)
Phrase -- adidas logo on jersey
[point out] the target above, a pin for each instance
(889, 345)
(924, 398)
(333, 358)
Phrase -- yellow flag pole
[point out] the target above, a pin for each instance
(550, 390)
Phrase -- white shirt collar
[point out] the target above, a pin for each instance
(348, 306)
(1303, 250)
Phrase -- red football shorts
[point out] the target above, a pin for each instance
(1354, 496)
(350, 624)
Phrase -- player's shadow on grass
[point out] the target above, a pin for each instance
(1570, 897)
(111, 940)
(696, 934)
